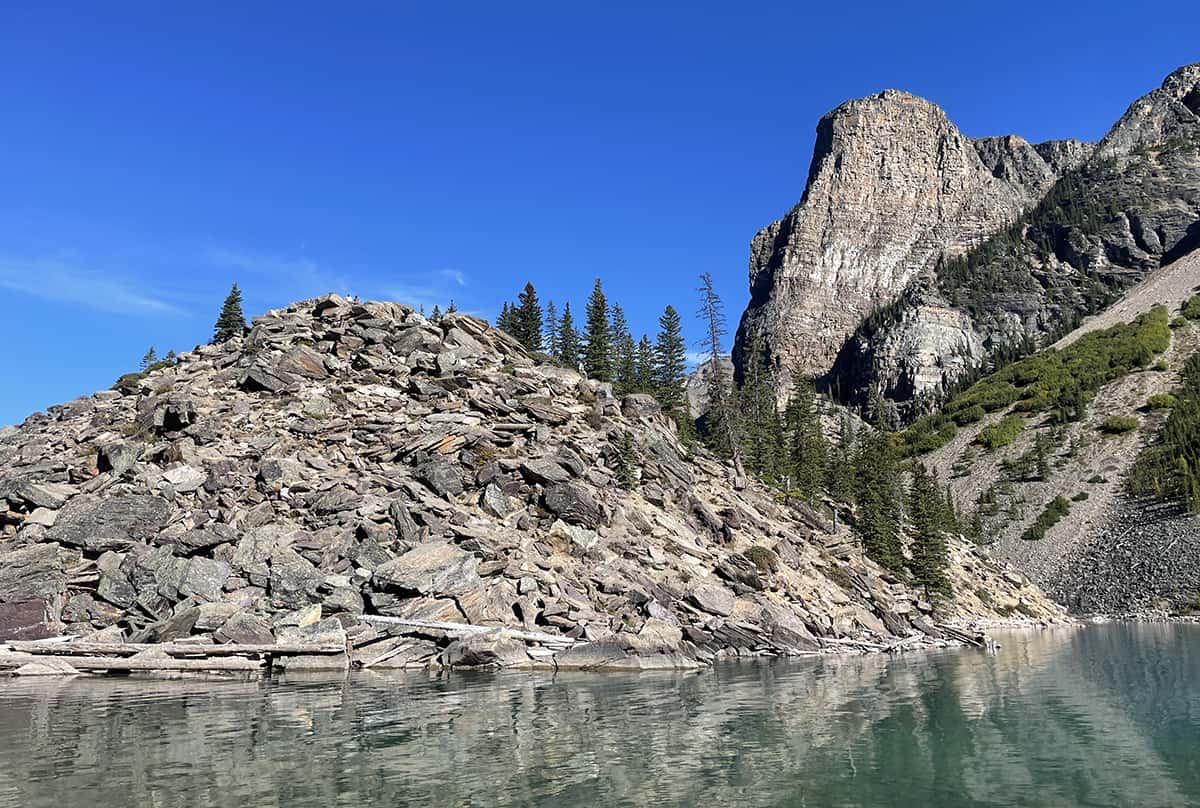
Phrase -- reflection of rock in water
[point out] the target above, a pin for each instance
(1103, 714)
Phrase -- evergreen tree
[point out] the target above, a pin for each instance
(761, 432)
(670, 362)
(231, 322)
(877, 495)
(451, 308)
(841, 462)
(627, 462)
(928, 514)
(505, 321)
(170, 357)
(645, 365)
(720, 431)
(568, 339)
(550, 339)
(436, 317)
(149, 358)
(808, 452)
(597, 348)
(624, 353)
(527, 319)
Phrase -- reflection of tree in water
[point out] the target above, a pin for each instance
(1106, 716)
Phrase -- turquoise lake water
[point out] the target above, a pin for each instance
(1103, 715)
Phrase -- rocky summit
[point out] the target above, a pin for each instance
(917, 255)
(427, 494)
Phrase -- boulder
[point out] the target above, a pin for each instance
(573, 503)
(440, 477)
(26, 620)
(494, 649)
(98, 523)
(714, 599)
(245, 628)
(429, 569)
(544, 471)
(36, 571)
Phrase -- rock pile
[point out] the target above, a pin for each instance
(425, 494)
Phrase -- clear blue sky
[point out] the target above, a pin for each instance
(428, 151)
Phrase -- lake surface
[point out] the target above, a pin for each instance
(1101, 715)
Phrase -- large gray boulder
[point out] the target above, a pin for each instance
(431, 569)
(98, 523)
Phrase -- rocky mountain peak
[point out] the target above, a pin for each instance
(893, 185)
(1171, 110)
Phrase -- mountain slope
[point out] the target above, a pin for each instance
(1101, 557)
(364, 460)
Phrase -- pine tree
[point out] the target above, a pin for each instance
(720, 431)
(627, 462)
(927, 512)
(550, 339)
(231, 322)
(841, 462)
(808, 451)
(149, 359)
(436, 317)
(670, 362)
(527, 319)
(568, 339)
(761, 431)
(877, 494)
(645, 365)
(597, 348)
(170, 357)
(624, 353)
(451, 308)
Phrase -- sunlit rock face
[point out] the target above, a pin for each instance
(893, 185)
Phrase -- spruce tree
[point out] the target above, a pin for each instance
(761, 431)
(568, 339)
(231, 322)
(627, 462)
(149, 359)
(436, 317)
(550, 338)
(840, 479)
(527, 319)
(645, 365)
(808, 451)
(624, 353)
(877, 495)
(451, 308)
(670, 362)
(720, 431)
(927, 512)
(597, 348)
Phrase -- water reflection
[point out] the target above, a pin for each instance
(1106, 715)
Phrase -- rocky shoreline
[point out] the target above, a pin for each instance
(428, 495)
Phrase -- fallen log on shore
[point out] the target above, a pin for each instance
(175, 649)
(463, 629)
(135, 663)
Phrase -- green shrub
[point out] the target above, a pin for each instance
(1161, 366)
(762, 557)
(969, 416)
(1080, 497)
(1191, 309)
(1097, 478)
(993, 436)
(1179, 322)
(1169, 468)
(1116, 424)
(1055, 510)
(927, 434)
(1161, 401)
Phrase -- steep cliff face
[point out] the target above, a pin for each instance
(902, 278)
(893, 185)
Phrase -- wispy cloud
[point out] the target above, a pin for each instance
(290, 272)
(66, 279)
(453, 275)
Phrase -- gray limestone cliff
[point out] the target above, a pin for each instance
(917, 256)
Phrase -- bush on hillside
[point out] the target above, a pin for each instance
(1160, 401)
(1055, 510)
(993, 436)
(1116, 424)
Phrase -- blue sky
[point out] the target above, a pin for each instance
(429, 151)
